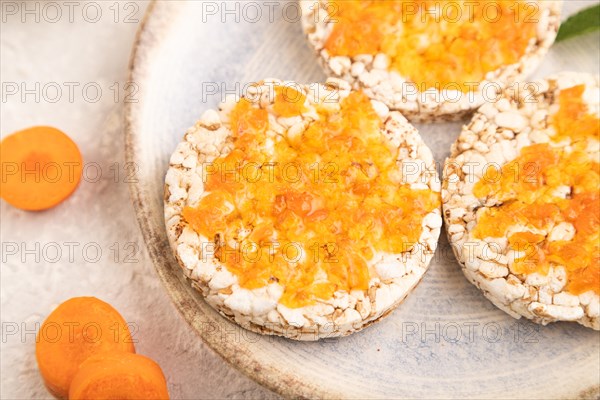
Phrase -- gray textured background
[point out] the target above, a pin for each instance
(99, 215)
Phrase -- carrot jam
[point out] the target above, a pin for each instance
(527, 187)
(435, 43)
(311, 210)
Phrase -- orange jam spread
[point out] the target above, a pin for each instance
(527, 187)
(315, 209)
(435, 43)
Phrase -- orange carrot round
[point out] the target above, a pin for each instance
(41, 167)
(77, 329)
(117, 375)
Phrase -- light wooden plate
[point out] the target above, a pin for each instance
(445, 341)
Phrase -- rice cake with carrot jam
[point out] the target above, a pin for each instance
(520, 199)
(305, 211)
(431, 60)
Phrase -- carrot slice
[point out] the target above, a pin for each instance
(117, 375)
(77, 329)
(41, 167)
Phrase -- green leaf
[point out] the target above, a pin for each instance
(587, 20)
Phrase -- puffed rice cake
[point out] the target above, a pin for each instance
(520, 200)
(431, 60)
(387, 198)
